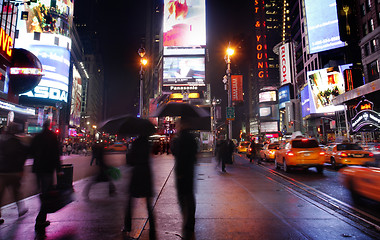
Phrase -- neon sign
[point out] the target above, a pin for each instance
(6, 43)
(261, 47)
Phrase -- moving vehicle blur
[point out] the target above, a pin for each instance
(117, 147)
(243, 147)
(341, 154)
(362, 181)
(300, 152)
(269, 151)
(374, 148)
(254, 148)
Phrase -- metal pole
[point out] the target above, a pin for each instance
(229, 94)
(347, 127)
(141, 91)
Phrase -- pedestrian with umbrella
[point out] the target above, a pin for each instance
(138, 158)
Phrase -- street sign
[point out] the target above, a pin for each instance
(230, 113)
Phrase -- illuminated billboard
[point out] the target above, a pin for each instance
(54, 84)
(268, 127)
(76, 98)
(183, 73)
(270, 96)
(184, 27)
(283, 95)
(285, 70)
(325, 84)
(322, 25)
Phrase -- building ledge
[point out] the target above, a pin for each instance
(358, 92)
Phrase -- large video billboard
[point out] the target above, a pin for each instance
(76, 98)
(183, 73)
(46, 34)
(54, 84)
(184, 27)
(322, 25)
(325, 84)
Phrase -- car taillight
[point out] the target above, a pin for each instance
(371, 154)
(377, 147)
(343, 154)
(250, 149)
(271, 151)
(322, 153)
(290, 154)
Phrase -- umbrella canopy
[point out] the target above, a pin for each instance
(128, 125)
(175, 109)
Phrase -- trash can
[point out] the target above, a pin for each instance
(65, 181)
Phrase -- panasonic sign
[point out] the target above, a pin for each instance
(285, 72)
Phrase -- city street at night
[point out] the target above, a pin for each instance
(249, 201)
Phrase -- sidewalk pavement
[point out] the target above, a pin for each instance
(239, 204)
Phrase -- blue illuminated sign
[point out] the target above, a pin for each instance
(306, 102)
(322, 25)
(55, 69)
(283, 96)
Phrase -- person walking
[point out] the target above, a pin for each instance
(45, 151)
(184, 147)
(140, 186)
(102, 175)
(95, 153)
(69, 149)
(221, 153)
(12, 159)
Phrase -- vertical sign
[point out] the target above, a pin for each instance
(237, 88)
(285, 71)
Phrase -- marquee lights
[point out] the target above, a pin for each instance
(26, 71)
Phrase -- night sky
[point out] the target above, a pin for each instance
(122, 26)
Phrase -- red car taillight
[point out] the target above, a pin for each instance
(322, 153)
(343, 154)
(290, 154)
(371, 154)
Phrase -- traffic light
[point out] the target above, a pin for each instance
(57, 131)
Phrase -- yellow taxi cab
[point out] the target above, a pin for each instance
(119, 147)
(341, 154)
(243, 147)
(269, 151)
(300, 153)
(362, 181)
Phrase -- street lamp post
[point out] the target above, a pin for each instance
(143, 62)
(229, 52)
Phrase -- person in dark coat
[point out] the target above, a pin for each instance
(184, 147)
(45, 151)
(12, 159)
(140, 186)
(102, 174)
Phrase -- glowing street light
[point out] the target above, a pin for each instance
(229, 52)
(143, 63)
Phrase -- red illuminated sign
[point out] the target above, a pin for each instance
(237, 88)
(6, 43)
(261, 47)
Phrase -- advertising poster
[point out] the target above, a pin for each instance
(184, 27)
(305, 101)
(285, 70)
(54, 84)
(265, 111)
(283, 96)
(268, 127)
(237, 88)
(76, 98)
(322, 25)
(184, 73)
(46, 16)
(270, 96)
(325, 84)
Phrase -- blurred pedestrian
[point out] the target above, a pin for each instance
(64, 150)
(45, 151)
(12, 159)
(69, 149)
(140, 186)
(184, 148)
(95, 153)
(102, 175)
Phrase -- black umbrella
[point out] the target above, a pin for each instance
(128, 125)
(174, 109)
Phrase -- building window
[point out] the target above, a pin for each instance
(365, 29)
(37, 36)
(56, 41)
(362, 10)
(366, 49)
(371, 25)
(373, 71)
(368, 5)
(16, 34)
(373, 45)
